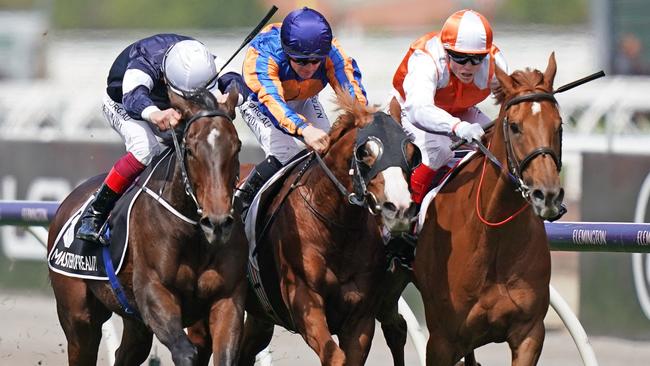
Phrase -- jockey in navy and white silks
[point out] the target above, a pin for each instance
(137, 106)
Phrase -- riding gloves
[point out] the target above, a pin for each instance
(468, 131)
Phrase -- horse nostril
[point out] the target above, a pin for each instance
(389, 206)
(206, 223)
(412, 211)
(227, 222)
(538, 195)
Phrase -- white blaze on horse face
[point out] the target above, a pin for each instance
(396, 188)
(536, 107)
(212, 138)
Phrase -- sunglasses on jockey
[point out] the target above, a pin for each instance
(463, 58)
(305, 61)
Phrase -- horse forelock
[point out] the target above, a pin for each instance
(203, 98)
(529, 80)
(354, 115)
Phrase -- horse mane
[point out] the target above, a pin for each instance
(529, 80)
(354, 115)
(203, 98)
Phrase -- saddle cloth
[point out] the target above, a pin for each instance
(263, 275)
(77, 258)
(457, 165)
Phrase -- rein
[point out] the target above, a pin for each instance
(180, 151)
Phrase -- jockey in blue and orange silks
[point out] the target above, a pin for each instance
(286, 66)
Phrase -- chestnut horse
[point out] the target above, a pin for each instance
(175, 271)
(483, 262)
(326, 243)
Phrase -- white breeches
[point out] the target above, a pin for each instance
(435, 148)
(272, 139)
(137, 135)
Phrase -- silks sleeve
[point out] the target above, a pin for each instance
(343, 73)
(261, 74)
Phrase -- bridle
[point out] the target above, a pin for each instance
(181, 152)
(381, 129)
(516, 167)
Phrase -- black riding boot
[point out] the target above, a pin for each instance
(96, 213)
(256, 179)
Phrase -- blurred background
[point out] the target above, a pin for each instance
(55, 56)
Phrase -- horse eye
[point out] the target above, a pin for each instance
(514, 128)
(362, 153)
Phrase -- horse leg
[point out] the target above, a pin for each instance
(312, 324)
(199, 335)
(81, 316)
(527, 348)
(135, 345)
(439, 351)
(356, 342)
(257, 336)
(394, 328)
(162, 314)
(392, 322)
(226, 319)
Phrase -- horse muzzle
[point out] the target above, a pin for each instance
(546, 202)
(398, 220)
(217, 228)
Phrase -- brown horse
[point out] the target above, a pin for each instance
(483, 263)
(175, 272)
(326, 244)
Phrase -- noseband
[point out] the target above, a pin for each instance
(517, 167)
(181, 152)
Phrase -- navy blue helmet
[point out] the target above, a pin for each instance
(305, 33)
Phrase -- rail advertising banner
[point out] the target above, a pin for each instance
(48, 171)
(615, 287)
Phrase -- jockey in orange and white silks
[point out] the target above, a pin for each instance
(438, 84)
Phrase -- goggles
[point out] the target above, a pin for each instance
(463, 58)
(305, 61)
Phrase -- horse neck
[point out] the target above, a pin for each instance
(174, 188)
(326, 196)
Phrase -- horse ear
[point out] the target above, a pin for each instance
(179, 103)
(504, 80)
(549, 74)
(232, 101)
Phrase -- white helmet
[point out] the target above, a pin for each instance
(188, 65)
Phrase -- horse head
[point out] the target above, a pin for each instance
(531, 128)
(380, 161)
(210, 148)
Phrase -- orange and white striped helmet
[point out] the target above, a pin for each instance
(467, 31)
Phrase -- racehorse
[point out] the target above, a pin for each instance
(326, 243)
(180, 266)
(482, 263)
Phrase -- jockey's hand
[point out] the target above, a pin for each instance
(165, 119)
(316, 138)
(469, 131)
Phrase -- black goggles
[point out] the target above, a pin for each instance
(305, 61)
(463, 58)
